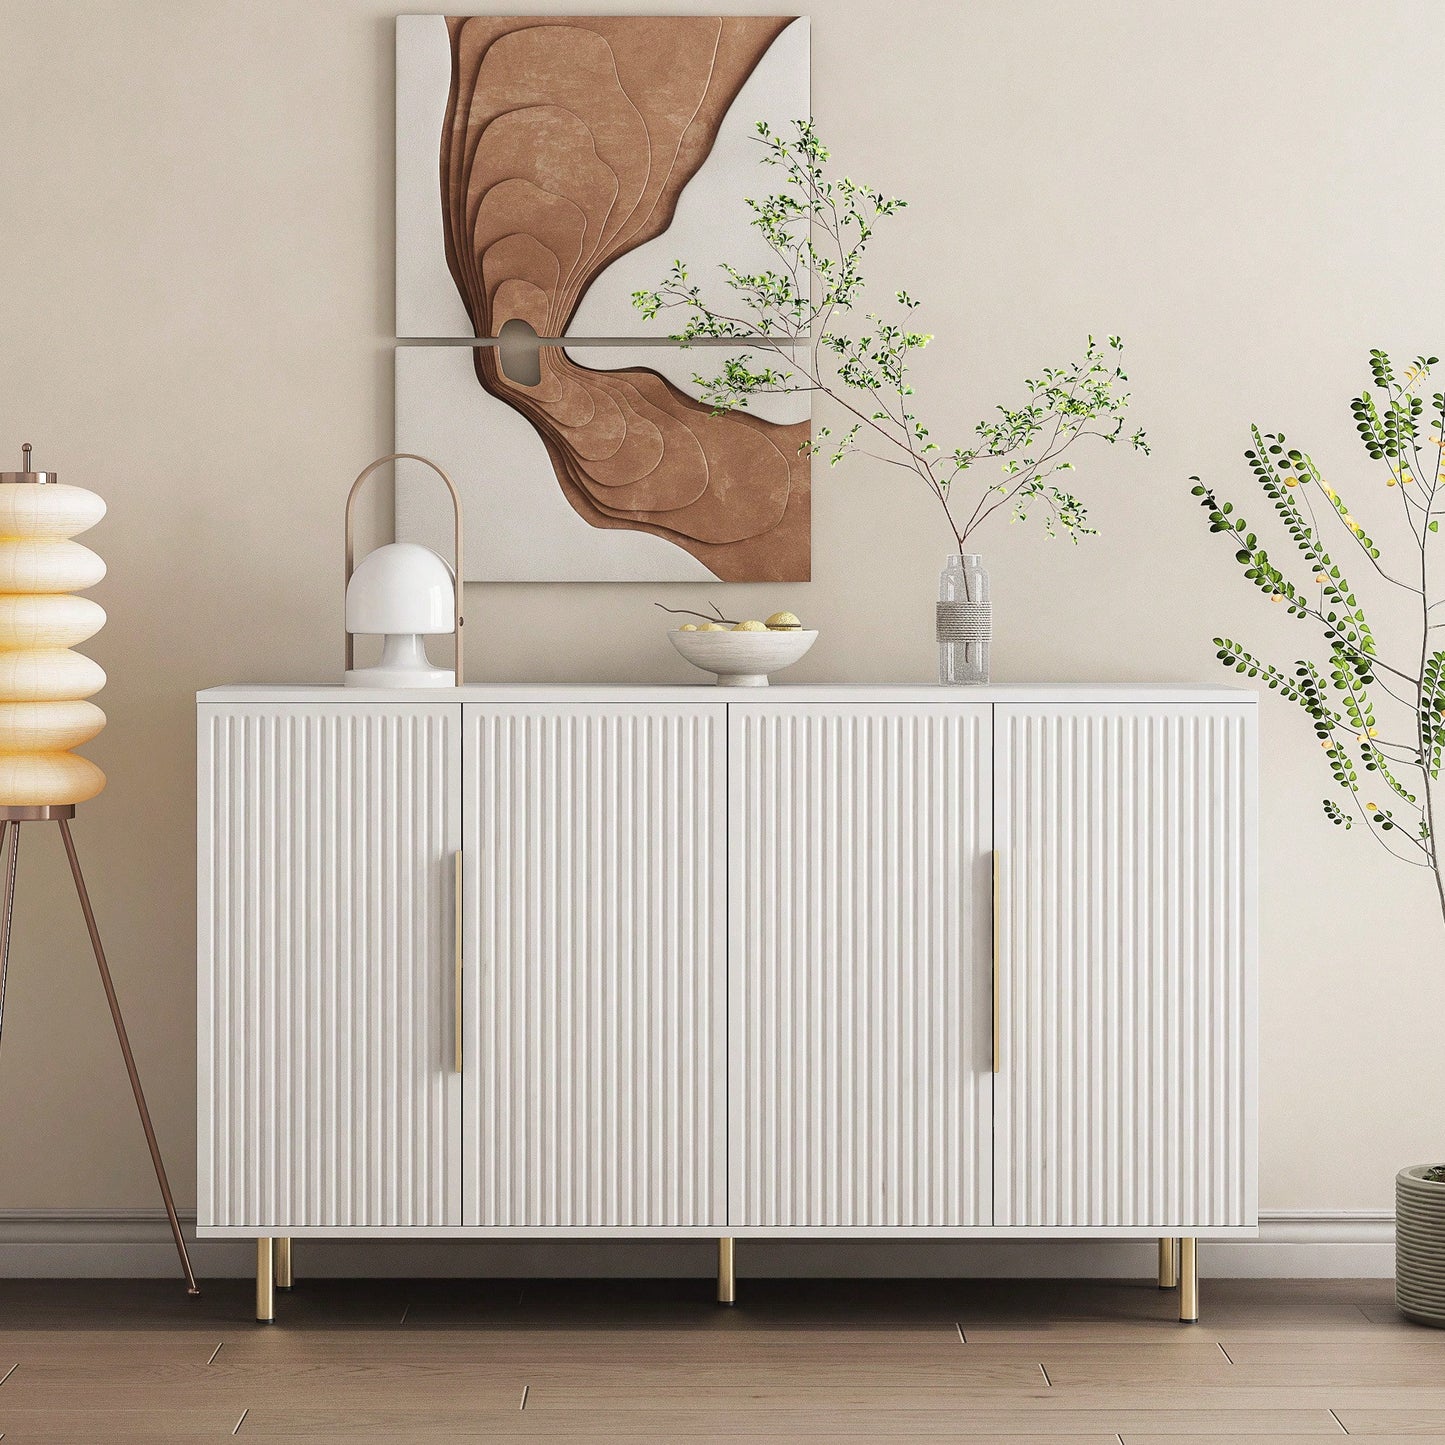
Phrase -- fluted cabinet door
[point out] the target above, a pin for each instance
(859, 965)
(326, 948)
(1126, 1091)
(594, 965)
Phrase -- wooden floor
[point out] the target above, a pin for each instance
(810, 1361)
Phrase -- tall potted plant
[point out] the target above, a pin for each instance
(1376, 700)
(806, 331)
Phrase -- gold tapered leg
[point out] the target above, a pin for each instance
(265, 1280)
(727, 1283)
(1168, 1263)
(1188, 1281)
(283, 1263)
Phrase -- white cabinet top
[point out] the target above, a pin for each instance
(699, 694)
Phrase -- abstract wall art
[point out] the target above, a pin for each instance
(547, 168)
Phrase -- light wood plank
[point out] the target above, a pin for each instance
(787, 1424)
(1304, 1349)
(440, 1382)
(149, 1422)
(100, 1427)
(1041, 1400)
(1151, 1368)
(1342, 1374)
(842, 1432)
(1152, 1372)
(235, 1396)
(100, 1431)
(1394, 1421)
(603, 1346)
(1338, 1437)
(79, 1344)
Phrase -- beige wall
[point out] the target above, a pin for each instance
(195, 313)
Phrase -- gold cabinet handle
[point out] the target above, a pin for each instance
(457, 936)
(997, 1050)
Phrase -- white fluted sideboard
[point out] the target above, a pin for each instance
(873, 962)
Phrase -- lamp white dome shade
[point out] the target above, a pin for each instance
(401, 587)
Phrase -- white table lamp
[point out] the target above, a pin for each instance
(404, 593)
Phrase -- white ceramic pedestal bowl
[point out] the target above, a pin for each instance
(742, 659)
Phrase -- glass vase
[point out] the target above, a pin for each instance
(964, 622)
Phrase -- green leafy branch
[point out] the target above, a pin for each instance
(1350, 689)
(805, 317)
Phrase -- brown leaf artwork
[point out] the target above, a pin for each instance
(567, 143)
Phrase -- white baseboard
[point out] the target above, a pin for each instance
(136, 1244)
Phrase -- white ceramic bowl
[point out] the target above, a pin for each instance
(742, 659)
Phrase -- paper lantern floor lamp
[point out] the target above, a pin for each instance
(44, 712)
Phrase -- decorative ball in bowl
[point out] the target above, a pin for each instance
(743, 655)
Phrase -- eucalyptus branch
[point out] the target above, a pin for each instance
(818, 226)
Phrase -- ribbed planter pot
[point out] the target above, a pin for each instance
(1420, 1246)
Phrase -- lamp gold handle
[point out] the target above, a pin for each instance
(457, 986)
(997, 1050)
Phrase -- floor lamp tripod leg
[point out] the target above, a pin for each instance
(130, 1068)
(7, 904)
